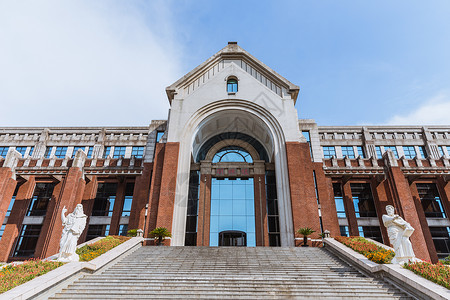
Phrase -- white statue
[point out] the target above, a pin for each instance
(74, 225)
(399, 232)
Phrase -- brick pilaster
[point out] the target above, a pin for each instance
(7, 187)
(117, 210)
(68, 194)
(350, 209)
(301, 184)
(168, 186)
(261, 229)
(90, 192)
(381, 200)
(204, 210)
(406, 208)
(15, 219)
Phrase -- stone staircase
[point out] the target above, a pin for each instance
(230, 272)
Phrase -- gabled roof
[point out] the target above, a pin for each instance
(230, 52)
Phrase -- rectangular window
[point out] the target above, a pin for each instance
(94, 231)
(48, 152)
(328, 152)
(159, 135)
(27, 240)
(379, 153)
(441, 150)
(441, 240)
(104, 200)
(75, 150)
(273, 216)
(137, 152)
(21, 150)
(371, 232)
(431, 202)
(344, 230)
(119, 152)
(339, 200)
(393, 149)
(2, 229)
(126, 210)
(192, 209)
(348, 151)
(89, 154)
(448, 150)
(4, 151)
(363, 200)
(60, 152)
(106, 152)
(123, 229)
(409, 152)
(41, 197)
(360, 150)
(423, 152)
(31, 151)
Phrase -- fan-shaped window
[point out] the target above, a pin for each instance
(232, 154)
(232, 85)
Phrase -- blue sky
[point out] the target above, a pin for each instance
(356, 62)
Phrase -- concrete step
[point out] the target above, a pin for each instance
(231, 273)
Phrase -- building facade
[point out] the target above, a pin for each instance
(232, 166)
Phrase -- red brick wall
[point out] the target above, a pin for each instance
(7, 187)
(301, 184)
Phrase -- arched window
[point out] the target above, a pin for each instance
(232, 154)
(232, 85)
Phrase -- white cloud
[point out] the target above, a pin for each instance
(85, 63)
(435, 111)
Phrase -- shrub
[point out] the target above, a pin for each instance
(14, 275)
(159, 233)
(132, 232)
(445, 261)
(89, 252)
(438, 273)
(368, 249)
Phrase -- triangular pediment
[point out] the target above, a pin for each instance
(233, 53)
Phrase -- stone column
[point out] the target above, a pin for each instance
(15, 219)
(168, 186)
(404, 204)
(301, 184)
(204, 210)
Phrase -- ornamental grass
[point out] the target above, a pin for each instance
(91, 251)
(370, 250)
(14, 275)
(438, 273)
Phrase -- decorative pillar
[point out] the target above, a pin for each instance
(90, 192)
(15, 219)
(381, 200)
(118, 205)
(261, 228)
(330, 220)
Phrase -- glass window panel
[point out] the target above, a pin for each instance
(4, 151)
(137, 152)
(423, 152)
(159, 135)
(40, 199)
(27, 240)
(21, 150)
(239, 207)
(119, 152)
(48, 152)
(431, 201)
(106, 151)
(123, 229)
(348, 151)
(31, 151)
(328, 152)
(90, 150)
(393, 149)
(61, 152)
(379, 153)
(239, 191)
(409, 152)
(441, 151)
(344, 230)
(363, 200)
(104, 200)
(214, 226)
(76, 148)
(232, 154)
(232, 86)
(360, 150)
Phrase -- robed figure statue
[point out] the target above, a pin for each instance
(399, 232)
(74, 225)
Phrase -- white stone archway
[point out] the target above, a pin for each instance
(255, 121)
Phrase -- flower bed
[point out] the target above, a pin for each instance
(89, 252)
(14, 275)
(438, 273)
(368, 249)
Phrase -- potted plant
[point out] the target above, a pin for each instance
(305, 231)
(160, 233)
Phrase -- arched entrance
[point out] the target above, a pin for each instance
(251, 124)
